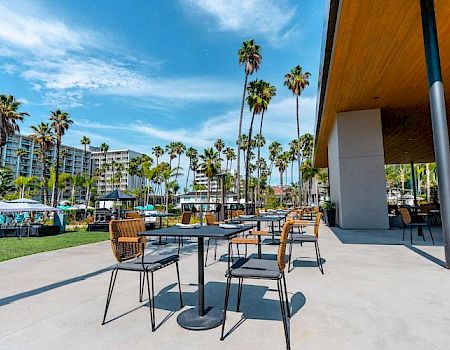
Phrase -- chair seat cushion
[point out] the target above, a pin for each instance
(255, 268)
(304, 238)
(134, 265)
(158, 258)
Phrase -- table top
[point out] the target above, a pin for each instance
(162, 215)
(261, 218)
(211, 231)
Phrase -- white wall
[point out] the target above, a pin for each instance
(356, 167)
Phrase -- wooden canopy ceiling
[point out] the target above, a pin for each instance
(377, 60)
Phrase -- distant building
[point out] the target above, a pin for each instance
(202, 197)
(121, 156)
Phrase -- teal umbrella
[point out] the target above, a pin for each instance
(139, 207)
(64, 207)
(148, 207)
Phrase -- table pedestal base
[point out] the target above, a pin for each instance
(190, 319)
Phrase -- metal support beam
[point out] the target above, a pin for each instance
(413, 182)
(438, 117)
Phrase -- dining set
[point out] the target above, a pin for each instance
(129, 240)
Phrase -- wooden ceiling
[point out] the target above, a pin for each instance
(378, 61)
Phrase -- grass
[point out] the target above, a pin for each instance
(11, 248)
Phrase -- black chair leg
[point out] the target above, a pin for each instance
(207, 251)
(239, 295)
(319, 257)
(429, 230)
(227, 295)
(290, 255)
(150, 300)
(404, 228)
(215, 250)
(112, 282)
(410, 234)
(288, 309)
(141, 286)
(283, 314)
(179, 284)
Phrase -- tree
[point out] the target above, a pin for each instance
(178, 148)
(192, 154)
(309, 173)
(249, 55)
(297, 81)
(60, 122)
(230, 155)
(104, 149)
(210, 166)
(274, 151)
(6, 181)
(76, 181)
(85, 141)
(281, 164)
(158, 152)
(88, 184)
(219, 145)
(44, 138)
(9, 116)
(260, 142)
(21, 152)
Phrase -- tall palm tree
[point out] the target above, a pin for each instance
(85, 141)
(219, 145)
(274, 151)
(297, 81)
(88, 184)
(60, 122)
(9, 116)
(230, 155)
(249, 55)
(76, 181)
(179, 148)
(257, 104)
(104, 149)
(281, 164)
(21, 152)
(158, 152)
(260, 141)
(44, 138)
(210, 166)
(172, 153)
(191, 153)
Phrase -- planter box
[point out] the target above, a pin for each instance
(330, 217)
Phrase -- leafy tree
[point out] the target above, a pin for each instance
(158, 152)
(104, 148)
(6, 181)
(9, 116)
(192, 154)
(210, 166)
(85, 141)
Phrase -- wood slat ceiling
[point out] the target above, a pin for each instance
(378, 62)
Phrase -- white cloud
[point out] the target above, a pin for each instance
(269, 18)
(32, 29)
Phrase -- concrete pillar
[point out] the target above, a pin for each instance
(356, 170)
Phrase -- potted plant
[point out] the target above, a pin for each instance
(329, 210)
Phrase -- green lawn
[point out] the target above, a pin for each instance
(11, 248)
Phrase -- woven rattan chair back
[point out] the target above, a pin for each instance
(186, 217)
(317, 224)
(210, 219)
(127, 228)
(406, 217)
(132, 215)
(281, 255)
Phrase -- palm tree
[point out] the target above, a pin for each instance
(75, 180)
(6, 181)
(85, 141)
(274, 151)
(293, 153)
(191, 153)
(249, 55)
(43, 136)
(21, 152)
(257, 104)
(230, 155)
(260, 141)
(170, 149)
(210, 166)
(281, 164)
(219, 145)
(179, 148)
(158, 151)
(297, 81)
(9, 116)
(88, 184)
(104, 148)
(60, 122)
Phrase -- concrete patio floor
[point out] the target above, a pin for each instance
(376, 294)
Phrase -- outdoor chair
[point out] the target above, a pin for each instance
(132, 215)
(210, 219)
(185, 220)
(413, 222)
(263, 269)
(302, 238)
(128, 249)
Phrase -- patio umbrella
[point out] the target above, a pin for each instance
(63, 207)
(139, 207)
(148, 207)
(117, 195)
(23, 200)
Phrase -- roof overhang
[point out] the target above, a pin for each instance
(373, 58)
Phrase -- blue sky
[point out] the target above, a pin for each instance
(136, 74)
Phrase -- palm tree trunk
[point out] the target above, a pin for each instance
(247, 159)
(299, 188)
(187, 177)
(209, 190)
(281, 185)
(167, 196)
(44, 177)
(428, 182)
(178, 167)
(55, 187)
(238, 174)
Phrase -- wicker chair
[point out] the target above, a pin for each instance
(132, 215)
(301, 238)
(210, 219)
(409, 222)
(128, 249)
(264, 270)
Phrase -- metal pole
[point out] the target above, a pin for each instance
(438, 117)
(201, 278)
(413, 182)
